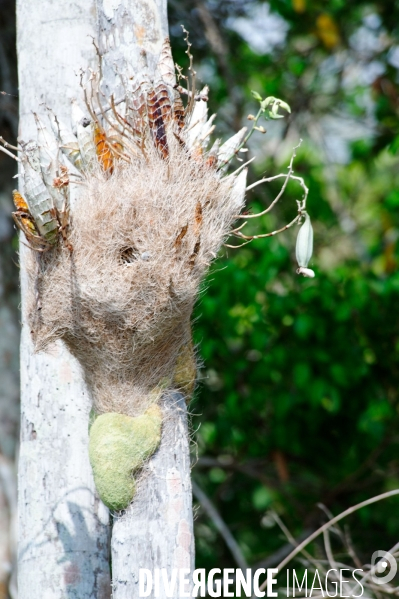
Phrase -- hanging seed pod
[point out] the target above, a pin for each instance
(46, 141)
(114, 143)
(205, 133)
(163, 98)
(304, 247)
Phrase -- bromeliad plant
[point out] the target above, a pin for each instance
(123, 213)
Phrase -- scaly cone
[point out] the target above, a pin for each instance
(40, 202)
(49, 155)
(166, 66)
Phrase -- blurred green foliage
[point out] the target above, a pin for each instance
(298, 399)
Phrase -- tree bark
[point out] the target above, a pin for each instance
(63, 527)
(157, 530)
(126, 29)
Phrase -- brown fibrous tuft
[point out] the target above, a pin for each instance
(142, 241)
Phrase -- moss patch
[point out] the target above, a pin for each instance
(119, 445)
(186, 370)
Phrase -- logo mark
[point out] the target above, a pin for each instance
(387, 564)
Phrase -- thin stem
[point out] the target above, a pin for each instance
(235, 173)
(9, 154)
(106, 108)
(327, 525)
(88, 105)
(242, 144)
(190, 85)
(7, 145)
(236, 247)
(238, 228)
(250, 237)
(289, 536)
(288, 176)
(220, 525)
(186, 92)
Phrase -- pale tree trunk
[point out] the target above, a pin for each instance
(63, 527)
(63, 542)
(157, 530)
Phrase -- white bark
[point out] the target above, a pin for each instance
(63, 536)
(63, 528)
(157, 530)
(126, 29)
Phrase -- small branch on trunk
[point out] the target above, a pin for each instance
(220, 525)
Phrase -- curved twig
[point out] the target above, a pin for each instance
(288, 176)
(327, 525)
(220, 525)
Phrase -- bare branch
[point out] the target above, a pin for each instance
(250, 237)
(9, 154)
(220, 525)
(7, 145)
(288, 176)
(197, 97)
(328, 525)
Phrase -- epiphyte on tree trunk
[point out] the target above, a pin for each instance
(151, 208)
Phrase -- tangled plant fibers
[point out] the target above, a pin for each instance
(116, 275)
(122, 299)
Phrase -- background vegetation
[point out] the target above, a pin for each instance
(298, 399)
